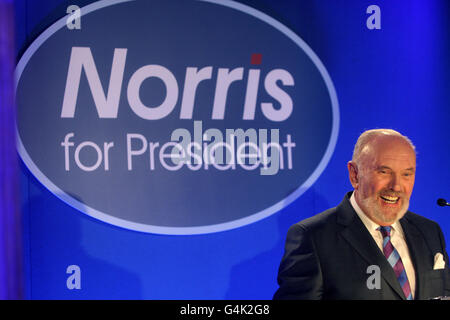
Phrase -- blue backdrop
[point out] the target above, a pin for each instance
(395, 77)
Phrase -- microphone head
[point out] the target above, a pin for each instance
(442, 202)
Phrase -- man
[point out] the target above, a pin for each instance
(370, 246)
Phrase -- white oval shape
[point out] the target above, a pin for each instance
(199, 229)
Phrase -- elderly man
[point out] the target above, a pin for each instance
(370, 246)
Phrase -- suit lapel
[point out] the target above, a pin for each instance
(418, 252)
(360, 239)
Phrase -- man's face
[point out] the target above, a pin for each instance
(384, 179)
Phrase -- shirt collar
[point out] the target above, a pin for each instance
(370, 225)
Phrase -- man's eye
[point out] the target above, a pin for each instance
(407, 174)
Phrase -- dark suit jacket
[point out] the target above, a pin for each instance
(327, 257)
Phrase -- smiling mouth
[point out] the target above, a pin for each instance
(389, 199)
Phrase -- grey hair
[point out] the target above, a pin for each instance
(369, 135)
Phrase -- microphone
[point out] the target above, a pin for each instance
(442, 202)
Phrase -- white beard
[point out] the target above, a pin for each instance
(372, 205)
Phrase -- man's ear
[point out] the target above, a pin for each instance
(353, 174)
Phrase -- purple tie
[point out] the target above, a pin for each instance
(395, 261)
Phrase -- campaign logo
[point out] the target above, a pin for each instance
(175, 117)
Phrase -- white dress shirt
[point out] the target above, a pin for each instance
(397, 239)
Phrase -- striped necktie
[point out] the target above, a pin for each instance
(395, 261)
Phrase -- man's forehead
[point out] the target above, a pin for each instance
(384, 150)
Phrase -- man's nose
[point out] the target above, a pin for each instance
(395, 183)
